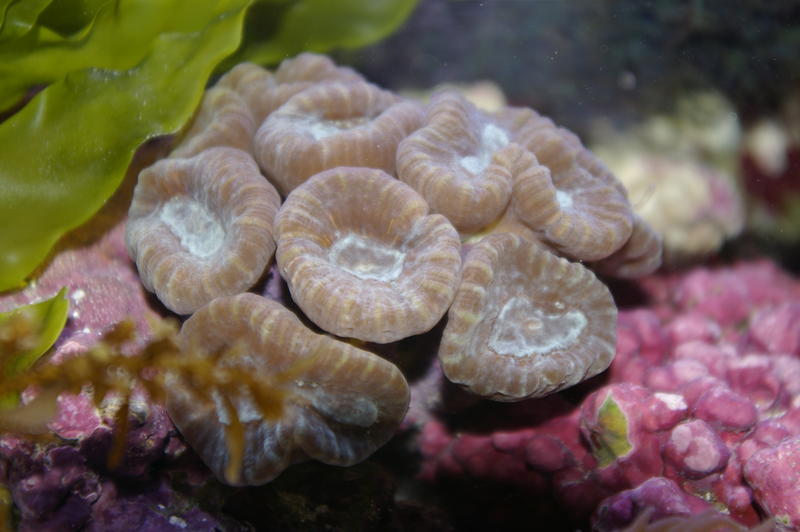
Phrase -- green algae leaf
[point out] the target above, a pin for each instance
(109, 34)
(66, 151)
(19, 17)
(319, 26)
(612, 441)
(67, 17)
(47, 319)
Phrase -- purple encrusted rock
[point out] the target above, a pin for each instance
(57, 493)
(663, 495)
(149, 430)
(155, 509)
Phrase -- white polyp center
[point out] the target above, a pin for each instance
(493, 139)
(320, 127)
(347, 409)
(564, 199)
(367, 258)
(198, 229)
(522, 329)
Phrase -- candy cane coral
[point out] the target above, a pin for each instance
(526, 323)
(452, 162)
(377, 189)
(362, 256)
(223, 119)
(200, 228)
(330, 125)
(468, 164)
(264, 91)
(338, 403)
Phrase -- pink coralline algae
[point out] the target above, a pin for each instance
(699, 411)
(103, 290)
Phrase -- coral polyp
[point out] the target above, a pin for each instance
(363, 258)
(526, 323)
(306, 395)
(200, 228)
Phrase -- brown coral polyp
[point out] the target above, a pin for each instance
(223, 119)
(452, 162)
(526, 323)
(264, 91)
(362, 256)
(641, 254)
(593, 216)
(335, 403)
(200, 228)
(333, 124)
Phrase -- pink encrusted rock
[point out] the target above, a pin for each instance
(653, 341)
(774, 475)
(731, 295)
(547, 454)
(103, 289)
(694, 394)
(766, 284)
(77, 417)
(665, 410)
(479, 457)
(754, 377)
(693, 326)
(715, 358)
(434, 439)
(693, 389)
(766, 434)
(720, 295)
(787, 369)
(724, 408)
(695, 450)
(777, 329)
(673, 376)
(641, 343)
(613, 420)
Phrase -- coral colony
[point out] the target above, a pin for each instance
(386, 217)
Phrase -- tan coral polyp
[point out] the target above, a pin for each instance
(256, 86)
(526, 323)
(362, 256)
(641, 254)
(264, 92)
(333, 124)
(340, 403)
(223, 119)
(594, 217)
(452, 161)
(201, 228)
(309, 67)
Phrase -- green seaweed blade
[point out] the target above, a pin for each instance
(47, 318)
(66, 152)
(321, 25)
